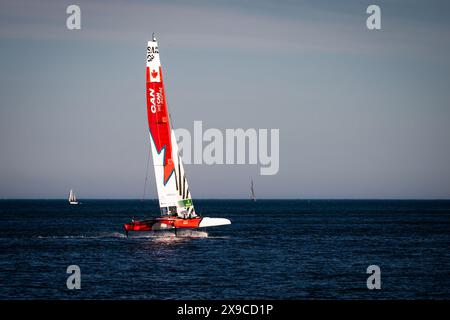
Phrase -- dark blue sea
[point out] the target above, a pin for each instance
(274, 249)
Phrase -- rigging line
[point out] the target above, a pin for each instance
(171, 128)
(146, 171)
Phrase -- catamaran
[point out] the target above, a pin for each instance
(72, 197)
(175, 200)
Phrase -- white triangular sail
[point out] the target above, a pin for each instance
(173, 190)
(72, 197)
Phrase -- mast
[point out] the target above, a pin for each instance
(253, 196)
(173, 191)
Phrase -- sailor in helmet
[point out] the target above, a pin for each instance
(184, 214)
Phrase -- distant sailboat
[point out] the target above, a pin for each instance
(72, 197)
(252, 196)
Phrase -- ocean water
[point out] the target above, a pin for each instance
(274, 249)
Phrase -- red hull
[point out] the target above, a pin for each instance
(162, 223)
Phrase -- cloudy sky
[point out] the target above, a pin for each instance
(362, 114)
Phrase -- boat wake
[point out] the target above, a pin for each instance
(192, 234)
(103, 235)
(164, 235)
(159, 235)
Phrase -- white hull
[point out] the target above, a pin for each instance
(213, 222)
(73, 202)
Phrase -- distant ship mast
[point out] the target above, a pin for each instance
(252, 196)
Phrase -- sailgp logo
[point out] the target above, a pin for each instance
(151, 51)
(235, 146)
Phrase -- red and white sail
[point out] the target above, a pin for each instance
(175, 200)
(173, 190)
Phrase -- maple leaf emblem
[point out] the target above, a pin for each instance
(154, 74)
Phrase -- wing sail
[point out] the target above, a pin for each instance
(173, 191)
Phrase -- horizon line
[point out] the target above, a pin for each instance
(258, 199)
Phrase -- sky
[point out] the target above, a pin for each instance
(361, 113)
